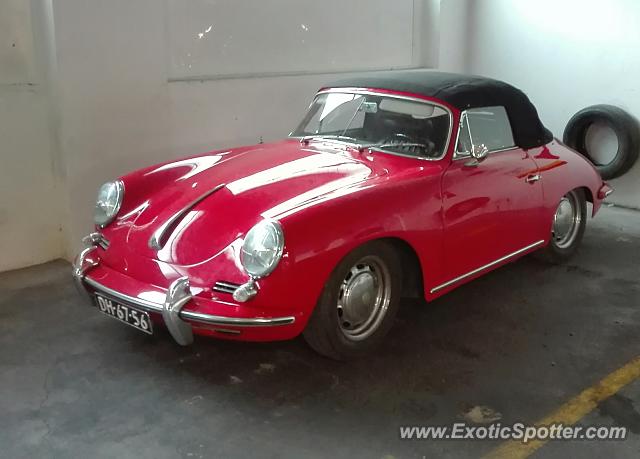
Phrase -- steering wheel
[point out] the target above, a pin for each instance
(404, 143)
(399, 138)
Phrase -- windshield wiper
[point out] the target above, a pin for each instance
(338, 138)
(397, 144)
(354, 115)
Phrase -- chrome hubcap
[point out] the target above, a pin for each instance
(566, 221)
(363, 298)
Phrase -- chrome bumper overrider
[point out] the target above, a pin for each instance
(178, 295)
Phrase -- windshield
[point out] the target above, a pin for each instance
(388, 123)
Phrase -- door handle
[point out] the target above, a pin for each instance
(533, 178)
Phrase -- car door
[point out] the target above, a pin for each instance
(492, 207)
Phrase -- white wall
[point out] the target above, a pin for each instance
(138, 84)
(245, 37)
(454, 23)
(94, 89)
(30, 227)
(565, 55)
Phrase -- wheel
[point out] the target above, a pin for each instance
(358, 303)
(623, 125)
(567, 228)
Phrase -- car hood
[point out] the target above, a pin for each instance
(206, 203)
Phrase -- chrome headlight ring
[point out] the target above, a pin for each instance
(108, 202)
(262, 248)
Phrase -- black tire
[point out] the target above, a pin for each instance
(324, 332)
(622, 123)
(557, 253)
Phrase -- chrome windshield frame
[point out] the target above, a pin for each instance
(364, 91)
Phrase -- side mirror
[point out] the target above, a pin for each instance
(478, 153)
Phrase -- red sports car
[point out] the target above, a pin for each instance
(394, 184)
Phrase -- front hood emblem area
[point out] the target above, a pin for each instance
(159, 237)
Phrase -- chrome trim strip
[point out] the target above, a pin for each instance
(500, 150)
(227, 284)
(155, 241)
(141, 303)
(237, 321)
(457, 157)
(365, 91)
(488, 265)
(190, 315)
(225, 287)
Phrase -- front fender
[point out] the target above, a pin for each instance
(318, 237)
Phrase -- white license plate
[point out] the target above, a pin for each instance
(130, 316)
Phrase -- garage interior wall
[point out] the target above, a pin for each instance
(137, 83)
(566, 55)
(31, 229)
(95, 89)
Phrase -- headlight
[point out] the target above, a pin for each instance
(262, 248)
(108, 203)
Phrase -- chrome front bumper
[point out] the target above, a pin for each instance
(177, 296)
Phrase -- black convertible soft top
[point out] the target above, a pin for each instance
(462, 92)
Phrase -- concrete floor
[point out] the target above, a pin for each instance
(522, 340)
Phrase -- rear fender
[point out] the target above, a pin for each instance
(563, 170)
